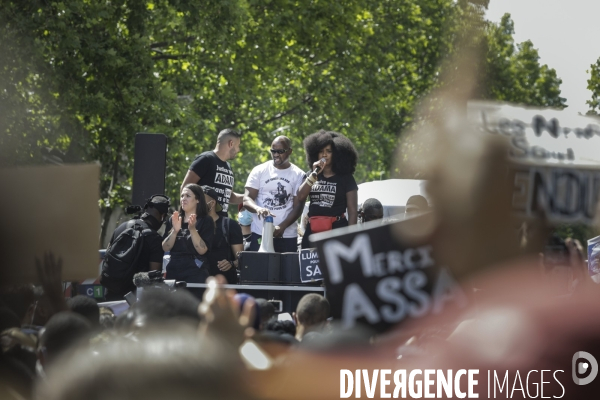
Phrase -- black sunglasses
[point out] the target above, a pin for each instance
(280, 151)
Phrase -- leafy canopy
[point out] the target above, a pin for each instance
(78, 78)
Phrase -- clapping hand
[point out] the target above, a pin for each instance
(176, 221)
(192, 223)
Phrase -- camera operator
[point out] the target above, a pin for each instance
(151, 254)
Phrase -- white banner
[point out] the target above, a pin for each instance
(556, 154)
(544, 137)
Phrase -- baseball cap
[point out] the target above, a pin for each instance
(160, 202)
(211, 192)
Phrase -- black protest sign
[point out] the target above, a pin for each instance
(309, 266)
(554, 155)
(376, 276)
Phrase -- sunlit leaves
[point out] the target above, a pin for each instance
(514, 73)
(594, 87)
(82, 77)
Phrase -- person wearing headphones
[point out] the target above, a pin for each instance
(156, 211)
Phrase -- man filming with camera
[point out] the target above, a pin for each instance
(135, 246)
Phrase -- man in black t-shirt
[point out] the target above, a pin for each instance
(212, 169)
(155, 212)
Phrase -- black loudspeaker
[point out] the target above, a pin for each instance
(149, 166)
(290, 268)
(258, 267)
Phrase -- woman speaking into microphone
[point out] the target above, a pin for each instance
(331, 185)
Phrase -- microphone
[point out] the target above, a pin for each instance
(142, 279)
(317, 169)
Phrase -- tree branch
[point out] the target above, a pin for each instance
(168, 57)
(324, 62)
(307, 99)
(166, 43)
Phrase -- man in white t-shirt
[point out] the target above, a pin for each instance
(271, 190)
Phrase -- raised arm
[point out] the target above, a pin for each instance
(304, 190)
(309, 182)
(49, 271)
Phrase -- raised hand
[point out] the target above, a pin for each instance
(221, 314)
(176, 221)
(50, 274)
(578, 264)
(192, 222)
(319, 164)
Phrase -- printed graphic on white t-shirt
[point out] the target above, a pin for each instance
(276, 191)
(277, 197)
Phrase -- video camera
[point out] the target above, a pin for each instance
(134, 209)
(155, 279)
(152, 280)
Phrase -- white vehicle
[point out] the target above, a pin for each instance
(392, 193)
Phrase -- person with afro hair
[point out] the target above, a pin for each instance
(331, 186)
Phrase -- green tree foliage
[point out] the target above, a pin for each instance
(78, 78)
(580, 232)
(594, 87)
(514, 74)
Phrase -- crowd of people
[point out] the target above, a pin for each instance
(168, 345)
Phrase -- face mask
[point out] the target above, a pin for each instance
(245, 217)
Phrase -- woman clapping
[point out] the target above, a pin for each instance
(188, 236)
